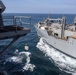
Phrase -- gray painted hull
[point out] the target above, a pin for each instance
(67, 47)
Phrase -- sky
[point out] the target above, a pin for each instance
(40, 6)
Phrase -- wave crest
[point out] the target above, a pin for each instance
(19, 58)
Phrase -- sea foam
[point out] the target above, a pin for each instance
(18, 59)
(63, 62)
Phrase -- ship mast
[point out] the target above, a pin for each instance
(63, 27)
(75, 21)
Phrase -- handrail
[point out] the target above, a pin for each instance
(18, 20)
(22, 17)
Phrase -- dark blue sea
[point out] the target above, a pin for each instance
(35, 61)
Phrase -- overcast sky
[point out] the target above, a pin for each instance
(40, 6)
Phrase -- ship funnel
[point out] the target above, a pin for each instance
(63, 26)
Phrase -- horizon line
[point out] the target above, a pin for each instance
(34, 13)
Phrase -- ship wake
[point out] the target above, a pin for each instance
(63, 62)
(18, 59)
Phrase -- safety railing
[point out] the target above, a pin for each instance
(14, 20)
(22, 21)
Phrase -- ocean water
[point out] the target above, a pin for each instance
(40, 59)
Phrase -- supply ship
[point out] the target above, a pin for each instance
(59, 35)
